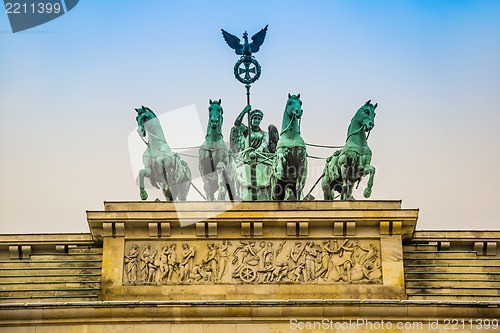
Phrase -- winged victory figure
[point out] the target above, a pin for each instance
(245, 49)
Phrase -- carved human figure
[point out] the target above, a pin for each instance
(144, 262)
(187, 262)
(296, 262)
(198, 273)
(211, 261)
(172, 262)
(326, 250)
(344, 261)
(223, 258)
(131, 263)
(368, 262)
(163, 268)
(244, 254)
(279, 272)
(153, 267)
(310, 262)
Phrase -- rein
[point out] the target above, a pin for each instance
(356, 132)
(290, 124)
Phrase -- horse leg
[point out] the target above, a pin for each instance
(146, 172)
(167, 192)
(368, 190)
(325, 186)
(279, 190)
(344, 169)
(301, 178)
(221, 182)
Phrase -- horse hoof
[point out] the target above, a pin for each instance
(367, 193)
(144, 195)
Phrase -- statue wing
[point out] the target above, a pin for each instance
(274, 136)
(233, 42)
(236, 140)
(258, 39)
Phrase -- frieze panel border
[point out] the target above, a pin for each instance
(262, 261)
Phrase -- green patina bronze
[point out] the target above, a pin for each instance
(215, 162)
(246, 70)
(162, 166)
(257, 151)
(347, 166)
(289, 170)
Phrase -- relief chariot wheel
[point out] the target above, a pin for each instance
(248, 274)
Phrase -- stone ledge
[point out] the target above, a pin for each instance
(244, 311)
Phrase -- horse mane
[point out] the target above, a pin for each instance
(144, 111)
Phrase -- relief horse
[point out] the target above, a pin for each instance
(214, 159)
(162, 166)
(289, 170)
(347, 166)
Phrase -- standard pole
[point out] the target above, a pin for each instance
(253, 156)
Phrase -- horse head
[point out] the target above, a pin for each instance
(294, 106)
(365, 116)
(215, 119)
(144, 114)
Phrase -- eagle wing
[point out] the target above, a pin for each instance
(233, 42)
(258, 39)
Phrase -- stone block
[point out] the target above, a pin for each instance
(212, 229)
(107, 229)
(165, 229)
(119, 229)
(338, 228)
(397, 226)
(444, 246)
(26, 251)
(200, 229)
(479, 248)
(257, 229)
(291, 229)
(350, 228)
(303, 228)
(61, 248)
(491, 248)
(153, 229)
(384, 227)
(14, 252)
(245, 229)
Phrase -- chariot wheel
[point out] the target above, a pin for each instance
(248, 274)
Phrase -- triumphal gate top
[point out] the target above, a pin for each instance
(259, 253)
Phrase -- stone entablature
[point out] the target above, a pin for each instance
(250, 250)
(448, 275)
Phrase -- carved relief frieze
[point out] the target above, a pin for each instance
(315, 261)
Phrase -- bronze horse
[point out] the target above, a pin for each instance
(289, 171)
(215, 163)
(162, 166)
(347, 166)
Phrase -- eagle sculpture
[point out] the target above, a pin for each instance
(245, 49)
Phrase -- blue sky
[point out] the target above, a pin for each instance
(68, 90)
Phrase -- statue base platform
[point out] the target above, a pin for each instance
(308, 266)
(251, 250)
